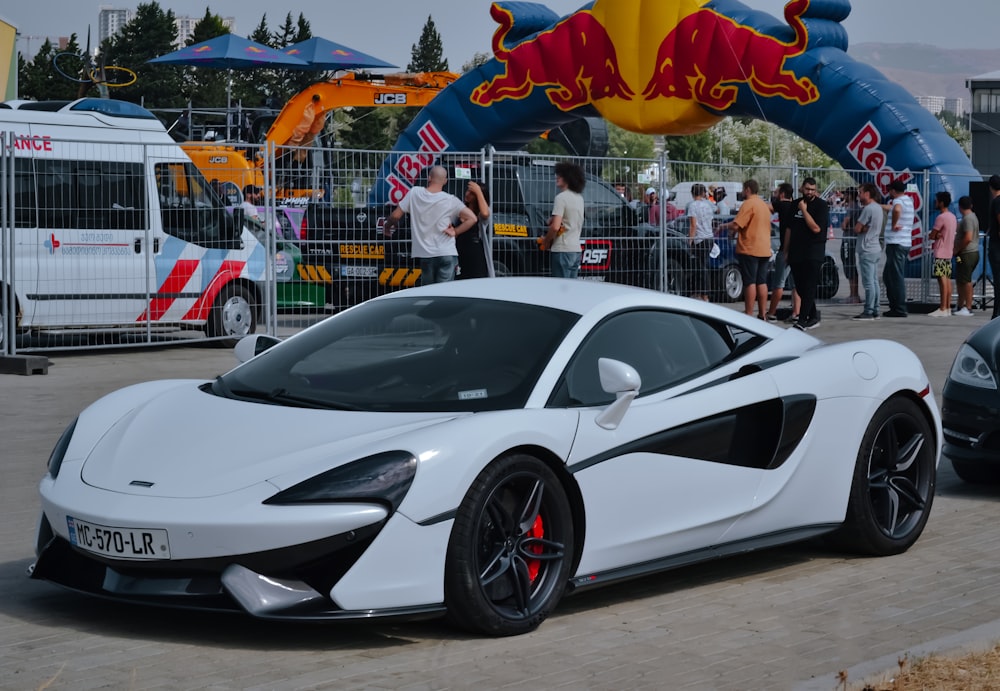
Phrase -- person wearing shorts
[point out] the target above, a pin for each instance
(752, 227)
(943, 235)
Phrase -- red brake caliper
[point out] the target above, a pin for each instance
(537, 531)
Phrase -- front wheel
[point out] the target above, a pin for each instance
(894, 479)
(511, 549)
(233, 316)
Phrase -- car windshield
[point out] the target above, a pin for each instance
(419, 354)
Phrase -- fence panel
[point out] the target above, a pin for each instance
(116, 244)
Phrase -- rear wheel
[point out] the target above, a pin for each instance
(510, 550)
(233, 316)
(677, 278)
(732, 283)
(894, 479)
(829, 280)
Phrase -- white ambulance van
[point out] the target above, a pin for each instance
(107, 224)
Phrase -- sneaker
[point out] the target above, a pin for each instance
(865, 317)
(794, 319)
(939, 313)
(772, 317)
(964, 312)
(899, 315)
(807, 324)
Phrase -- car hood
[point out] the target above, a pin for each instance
(186, 443)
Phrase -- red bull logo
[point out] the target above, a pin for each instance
(591, 73)
(203, 49)
(593, 57)
(708, 54)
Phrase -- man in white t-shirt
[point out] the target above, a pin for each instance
(432, 215)
(898, 239)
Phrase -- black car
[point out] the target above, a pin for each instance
(970, 409)
(725, 279)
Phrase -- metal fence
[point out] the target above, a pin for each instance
(119, 245)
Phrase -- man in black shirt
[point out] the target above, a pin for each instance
(807, 246)
(993, 248)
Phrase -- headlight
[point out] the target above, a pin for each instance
(384, 478)
(56, 457)
(970, 369)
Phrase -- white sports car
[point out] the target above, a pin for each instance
(478, 448)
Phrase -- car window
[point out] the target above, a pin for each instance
(665, 348)
(419, 354)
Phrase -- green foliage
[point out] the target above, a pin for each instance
(477, 60)
(370, 128)
(39, 80)
(427, 55)
(692, 148)
(625, 144)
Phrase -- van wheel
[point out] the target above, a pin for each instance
(233, 316)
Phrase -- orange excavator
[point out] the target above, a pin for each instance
(303, 118)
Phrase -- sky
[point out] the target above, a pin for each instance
(388, 28)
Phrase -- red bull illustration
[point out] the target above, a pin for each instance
(708, 53)
(678, 67)
(569, 84)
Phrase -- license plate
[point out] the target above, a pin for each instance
(359, 271)
(123, 543)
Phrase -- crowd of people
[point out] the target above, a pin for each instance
(872, 227)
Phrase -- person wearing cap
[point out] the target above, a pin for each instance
(652, 202)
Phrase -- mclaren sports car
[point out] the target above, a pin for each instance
(478, 449)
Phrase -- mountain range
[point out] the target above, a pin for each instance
(926, 70)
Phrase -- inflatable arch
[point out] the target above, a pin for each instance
(678, 67)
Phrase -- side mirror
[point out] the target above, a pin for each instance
(250, 347)
(622, 380)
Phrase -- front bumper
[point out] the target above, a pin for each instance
(288, 583)
(970, 419)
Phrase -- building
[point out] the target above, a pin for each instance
(110, 21)
(985, 122)
(185, 27)
(936, 104)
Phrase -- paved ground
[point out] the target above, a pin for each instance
(786, 618)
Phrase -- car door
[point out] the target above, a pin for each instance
(685, 461)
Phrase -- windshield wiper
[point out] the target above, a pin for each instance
(281, 395)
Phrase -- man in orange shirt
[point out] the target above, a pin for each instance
(752, 227)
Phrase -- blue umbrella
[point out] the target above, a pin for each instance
(229, 52)
(323, 54)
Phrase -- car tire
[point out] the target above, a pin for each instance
(494, 584)
(894, 479)
(829, 280)
(233, 315)
(976, 473)
(500, 270)
(731, 280)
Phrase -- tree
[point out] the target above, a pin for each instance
(207, 86)
(427, 54)
(477, 60)
(692, 148)
(151, 33)
(39, 79)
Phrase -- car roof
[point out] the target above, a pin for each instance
(572, 295)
